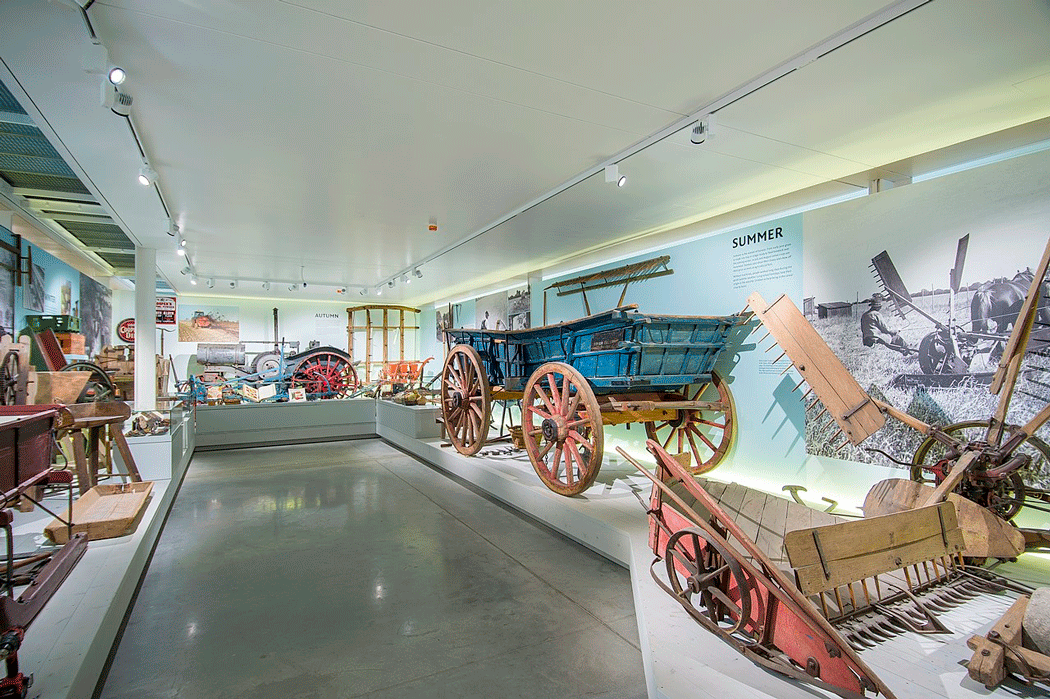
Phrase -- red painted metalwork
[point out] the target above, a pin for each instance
(326, 374)
(727, 584)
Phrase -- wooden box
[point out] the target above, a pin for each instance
(72, 343)
(104, 512)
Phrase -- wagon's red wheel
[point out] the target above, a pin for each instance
(466, 402)
(706, 433)
(704, 574)
(560, 406)
(326, 375)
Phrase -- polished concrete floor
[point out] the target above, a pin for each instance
(351, 569)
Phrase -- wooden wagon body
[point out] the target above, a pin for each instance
(619, 351)
(574, 377)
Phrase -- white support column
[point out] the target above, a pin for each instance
(145, 329)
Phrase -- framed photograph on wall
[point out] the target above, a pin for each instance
(33, 294)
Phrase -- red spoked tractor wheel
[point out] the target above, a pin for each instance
(326, 374)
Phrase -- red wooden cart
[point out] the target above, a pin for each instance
(803, 600)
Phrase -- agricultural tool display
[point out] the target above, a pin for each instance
(805, 592)
(573, 378)
(324, 372)
(952, 346)
(983, 461)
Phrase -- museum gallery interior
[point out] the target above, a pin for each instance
(524, 349)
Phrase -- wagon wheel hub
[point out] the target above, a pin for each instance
(554, 429)
(457, 400)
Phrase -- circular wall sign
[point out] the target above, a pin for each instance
(126, 330)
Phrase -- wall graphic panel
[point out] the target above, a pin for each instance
(34, 292)
(879, 290)
(490, 313)
(518, 310)
(96, 314)
(8, 269)
(204, 322)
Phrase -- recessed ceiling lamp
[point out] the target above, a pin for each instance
(117, 75)
(418, 274)
(266, 286)
(147, 175)
(612, 174)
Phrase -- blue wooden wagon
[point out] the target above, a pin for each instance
(573, 378)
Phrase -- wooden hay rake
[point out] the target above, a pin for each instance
(840, 587)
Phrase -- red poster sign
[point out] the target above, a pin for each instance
(126, 330)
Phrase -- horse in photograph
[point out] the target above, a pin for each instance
(999, 302)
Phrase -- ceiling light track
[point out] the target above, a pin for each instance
(835, 41)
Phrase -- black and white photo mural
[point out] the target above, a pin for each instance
(96, 314)
(920, 303)
(8, 269)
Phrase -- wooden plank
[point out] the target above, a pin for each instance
(104, 512)
(846, 401)
(732, 498)
(859, 537)
(771, 529)
(859, 549)
(750, 513)
(984, 534)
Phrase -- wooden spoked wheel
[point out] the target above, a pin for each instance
(9, 370)
(707, 434)
(466, 401)
(99, 387)
(1004, 496)
(706, 576)
(560, 407)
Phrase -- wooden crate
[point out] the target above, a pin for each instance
(71, 343)
(104, 512)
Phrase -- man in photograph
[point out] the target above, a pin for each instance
(872, 326)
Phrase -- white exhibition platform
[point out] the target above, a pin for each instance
(67, 646)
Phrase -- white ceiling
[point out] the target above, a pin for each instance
(323, 135)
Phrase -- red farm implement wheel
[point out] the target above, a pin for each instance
(327, 373)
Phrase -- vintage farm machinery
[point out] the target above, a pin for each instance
(803, 592)
(324, 372)
(984, 461)
(952, 346)
(573, 378)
